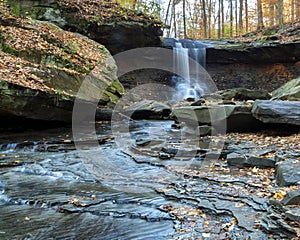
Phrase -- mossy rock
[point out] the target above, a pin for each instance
(289, 91)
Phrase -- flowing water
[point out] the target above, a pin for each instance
(134, 190)
(189, 60)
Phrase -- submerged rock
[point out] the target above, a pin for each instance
(282, 112)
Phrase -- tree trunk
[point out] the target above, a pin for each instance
(222, 18)
(209, 18)
(174, 20)
(246, 15)
(231, 17)
(219, 20)
(204, 19)
(184, 19)
(236, 17)
(241, 17)
(167, 13)
(260, 24)
(271, 12)
(280, 13)
(297, 6)
(293, 10)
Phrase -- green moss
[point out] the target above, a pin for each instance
(8, 49)
(116, 87)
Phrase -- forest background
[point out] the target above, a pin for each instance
(198, 19)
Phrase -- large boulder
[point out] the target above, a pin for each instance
(289, 91)
(42, 68)
(280, 112)
(148, 109)
(106, 22)
(221, 117)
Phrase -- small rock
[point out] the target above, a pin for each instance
(293, 214)
(164, 156)
(236, 159)
(288, 173)
(292, 198)
(172, 151)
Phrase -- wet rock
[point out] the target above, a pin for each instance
(289, 91)
(238, 159)
(293, 214)
(221, 117)
(288, 173)
(164, 156)
(280, 112)
(205, 130)
(148, 109)
(292, 198)
(170, 150)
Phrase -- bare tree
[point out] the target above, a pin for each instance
(260, 24)
(222, 18)
(280, 13)
(219, 19)
(231, 17)
(241, 17)
(297, 6)
(236, 17)
(246, 15)
(204, 19)
(184, 19)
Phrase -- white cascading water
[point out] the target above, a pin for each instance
(189, 83)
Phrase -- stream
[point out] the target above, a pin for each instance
(136, 187)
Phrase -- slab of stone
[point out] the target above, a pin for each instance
(280, 112)
(222, 117)
(239, 159)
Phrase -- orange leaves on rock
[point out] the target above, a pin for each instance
(279, 195)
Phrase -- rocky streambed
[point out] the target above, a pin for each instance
(149, 182)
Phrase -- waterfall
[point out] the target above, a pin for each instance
(189, 58)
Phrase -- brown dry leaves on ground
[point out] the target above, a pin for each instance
(289, 33)
(266, 139)
(30, 49)
(105, 11)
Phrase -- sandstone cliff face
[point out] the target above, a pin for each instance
(43, 66)
(117, 28)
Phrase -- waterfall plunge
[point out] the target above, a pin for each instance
(189, 61)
